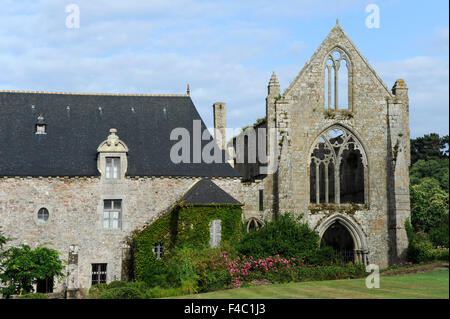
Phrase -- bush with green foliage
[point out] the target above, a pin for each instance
(288, 237)
(421, 249)
(429, 205)
(22, 267)
(124, 292)
(33, 296)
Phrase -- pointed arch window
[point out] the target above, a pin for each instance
(338, 81)
(338, 168)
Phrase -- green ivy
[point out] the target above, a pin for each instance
(184, 225)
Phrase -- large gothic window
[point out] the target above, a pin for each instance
(338, 168)
(337, 82)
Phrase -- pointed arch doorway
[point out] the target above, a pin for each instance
(339, 238)
(343, 234)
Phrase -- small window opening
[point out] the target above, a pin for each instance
(215, 233)
(98, 274)
(43, 215)
(159, 250)
(261, 200)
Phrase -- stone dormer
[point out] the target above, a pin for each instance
(112, 160)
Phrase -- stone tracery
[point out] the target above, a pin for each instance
(338, 167)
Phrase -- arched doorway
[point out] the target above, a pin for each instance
(339, 238)
(342, 233)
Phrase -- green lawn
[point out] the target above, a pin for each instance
(427, 285)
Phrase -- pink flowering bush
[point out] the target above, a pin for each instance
(245, 269)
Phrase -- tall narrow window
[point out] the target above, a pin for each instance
(112, 167)
(112, 214)
(261, 200)
(337, 81)
(215, 231)
(337, 168)
(159, 250)
(98, 274)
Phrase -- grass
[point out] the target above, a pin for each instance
(429, 285)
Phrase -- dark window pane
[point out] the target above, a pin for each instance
(108, 204)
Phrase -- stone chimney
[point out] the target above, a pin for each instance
(220, 124)
(273, 92)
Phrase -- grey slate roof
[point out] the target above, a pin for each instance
(207, 192)
(69, 148)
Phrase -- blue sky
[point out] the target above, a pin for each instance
(225, 50)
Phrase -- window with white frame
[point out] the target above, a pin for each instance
(215, 231)
(112, 167)
(112, 214)
(98, 274)
(159, 250)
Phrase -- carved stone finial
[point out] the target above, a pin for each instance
(337, 21)
(113, 139)
(188, 90)
(274, 80)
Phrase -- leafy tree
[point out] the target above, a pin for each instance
(437, 169)
(23, 266)
(429, 205)
(430, 146)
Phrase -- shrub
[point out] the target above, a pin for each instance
(34, 296)
(117, 284)
(440, 254)
(439, 235)
(122, 293)
(419, 246)
(285, 236)
(97, 290)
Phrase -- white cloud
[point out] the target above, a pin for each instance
(427, 79)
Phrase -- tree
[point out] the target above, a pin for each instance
(436, 168)
(23, 266)
(429, 205)
(430, 146)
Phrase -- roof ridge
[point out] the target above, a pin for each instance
(101, 94)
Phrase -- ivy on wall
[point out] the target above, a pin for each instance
(184, 225)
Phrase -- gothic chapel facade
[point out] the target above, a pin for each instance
(343, 149)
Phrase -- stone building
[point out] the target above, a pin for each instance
(81, 172)
(341, 142)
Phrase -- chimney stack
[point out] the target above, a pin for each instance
(220, 125)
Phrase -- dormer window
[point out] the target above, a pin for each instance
(41, 125)
(112, 160)
(112, 167)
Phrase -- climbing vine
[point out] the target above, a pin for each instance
(184, 225)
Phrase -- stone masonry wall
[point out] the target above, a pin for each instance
(76, 215)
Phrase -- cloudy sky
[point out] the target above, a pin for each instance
(226, 50)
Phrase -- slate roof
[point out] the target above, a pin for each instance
(76, 125)
(206, 192)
